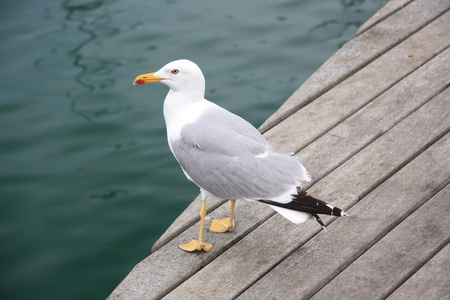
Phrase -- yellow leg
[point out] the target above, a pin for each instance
(198, 245)
(226, 224)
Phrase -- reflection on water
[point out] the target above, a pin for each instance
(94, 70)
(87, 182)
(110, 194)
(80, 38)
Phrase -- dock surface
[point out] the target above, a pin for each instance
(372, 128)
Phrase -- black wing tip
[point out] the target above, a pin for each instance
(319, 220)
(306, 203)
(300, 192)
(338, 212)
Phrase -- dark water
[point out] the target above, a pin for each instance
(87, 182)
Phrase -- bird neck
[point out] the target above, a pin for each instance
(177, 105)
(179, 112)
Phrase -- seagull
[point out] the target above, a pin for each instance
(226, 156)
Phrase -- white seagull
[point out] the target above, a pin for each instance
(225, 156)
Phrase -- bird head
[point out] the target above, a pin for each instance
(180, 76)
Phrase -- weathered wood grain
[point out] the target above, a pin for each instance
(318, 261)
(390, 8)
(359, 52)
(400, 253)
(356, 91)
(276, 239)
(430, 282)
(360, 129)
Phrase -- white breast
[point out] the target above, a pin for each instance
(177, 116)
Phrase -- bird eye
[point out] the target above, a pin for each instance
(175, 71)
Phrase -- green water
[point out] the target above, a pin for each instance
(87, 181)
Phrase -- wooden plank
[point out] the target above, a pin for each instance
(355, 92)
(266, 246)
(382, 268)
(318, 261)
(390, 8)
(346, 139)
(329, 109)
(359, 52)
(430, 282)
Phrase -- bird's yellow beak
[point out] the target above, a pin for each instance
(147, 78)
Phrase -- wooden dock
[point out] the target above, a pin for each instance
(372, 128)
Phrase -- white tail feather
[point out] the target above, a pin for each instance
(294, 216)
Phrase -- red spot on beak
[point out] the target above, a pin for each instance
(140, 82)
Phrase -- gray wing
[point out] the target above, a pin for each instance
(221, 117)
(233, 165)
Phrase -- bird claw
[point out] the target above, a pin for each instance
(222, 225)
(195, 245)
